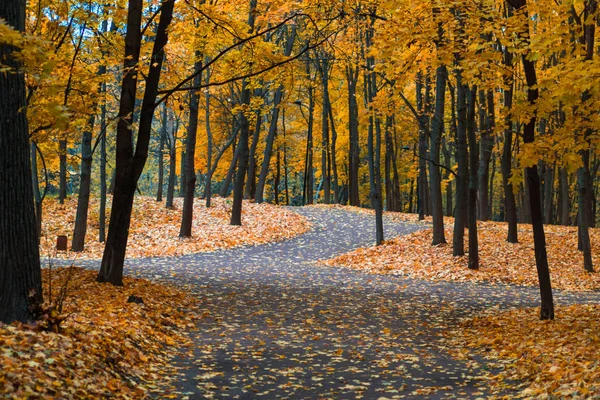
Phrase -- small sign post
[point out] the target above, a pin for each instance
(61, 243)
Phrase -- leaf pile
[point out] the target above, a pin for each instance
(154, 230)
(557, 358)
(500, 262)
(108, 347)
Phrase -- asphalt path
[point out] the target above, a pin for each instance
(275, 324)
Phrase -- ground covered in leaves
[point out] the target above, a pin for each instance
(154, 230)
(543, 358)
(556, 358)
(500, 262)
(107, 347)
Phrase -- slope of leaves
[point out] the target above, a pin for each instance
(154, 230)
(108, 347)
(557, 358)
(500, 262)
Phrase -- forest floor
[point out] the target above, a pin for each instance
(272, 321)
(105, 346)
(154, 230)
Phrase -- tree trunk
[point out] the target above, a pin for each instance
(182, 174)
(250, 191)
(487, 143)
(309, 177)
(224, 192)
(422, 186)
(460, 213)
(242, 165)
(437, 128)
(448, 161)
(129, 162)
(326, 179)
(354, 151)
(264, 170)
(172, 170)
(37, 195)
(20, 276)
(160, 155)
(563, 197)
(473, 169)
(374, 148)
(533, 182)
(510, 203)
(209, 142)
(333, 160)
(62, 174)
(187, 216)
(83, 199)
(103, 189)
(277, 178)
(549, 193)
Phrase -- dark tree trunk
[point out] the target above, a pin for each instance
(533, 182)
(242, 165)
(563, 197)
(285, 162)
(549, 193)
(325, 175)
(422, 186)
(160, 155)
(264, 170)
(309, 177)
(374, 142)
(172, 170)
(83, 199)
(62, 173)
(37, 194)
(460, 213)
(182, 174)
(390, 200)
(277, 177)
(129, 162)
(20, 276)
(224, 192)
(583, 227)
(161, 169)
(333, 160)
(437, 129)
(354, 151)
(584, 180)
(250, 191)
(187, 215)
(510, 203)
(446, 151)
(103, 189)
(473, 168)
(209, 141)
(486, 99)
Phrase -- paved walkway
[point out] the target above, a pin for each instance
(278, 326)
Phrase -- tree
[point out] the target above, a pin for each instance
(130, 162)
(533, 179)
(20, 275)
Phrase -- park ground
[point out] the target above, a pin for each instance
(313, 312)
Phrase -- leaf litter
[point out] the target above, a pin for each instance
(154, 230)
(108, 347)
(545, 359)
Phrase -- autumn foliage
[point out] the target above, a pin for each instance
(500, 262)
(108, 346)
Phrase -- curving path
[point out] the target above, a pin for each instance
(275, 325)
